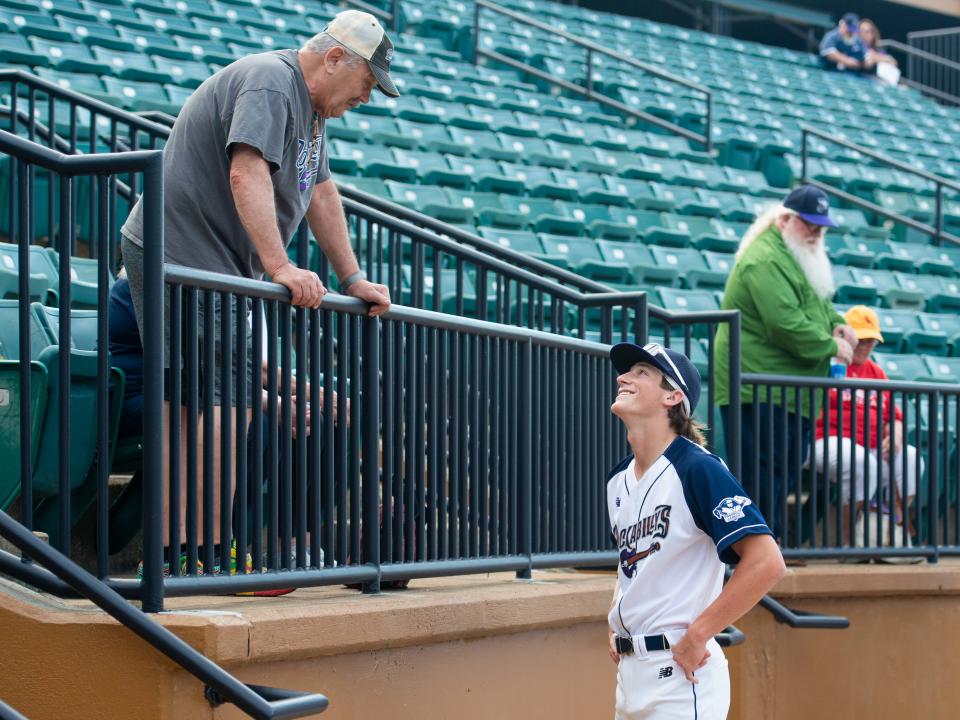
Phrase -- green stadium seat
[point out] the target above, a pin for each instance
(374, 186)
(33, 24)
(687, 200)
(131, 66)
(522, 241)
(902, 366)
(136, 95)
(10, 420)
(645, 269)
(83, 279)
(431, 201)
(943, 369)
(39, 283)
(947, 323)
(854, 222)
(544, 215)
(432, 168)
(849, 291)
(10, 332)
(909, 204)
(932, 260)
(688, 300)
(71, 57)
(640, 193)
(490, 175)
(591, 188)
(601, 223)
(694, 273)
(719, 262)
(542, 183)
(885, 256)
(903, 332)
(942, 294)
(482, 143)
(584, 257)
(890, 286)
(847, 250)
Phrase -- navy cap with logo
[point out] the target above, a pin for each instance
(675, 366)
(362, 33)
(852, 21)
(812, 204)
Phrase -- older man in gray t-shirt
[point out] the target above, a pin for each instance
(246, 161)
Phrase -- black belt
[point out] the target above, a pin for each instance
(653, 643)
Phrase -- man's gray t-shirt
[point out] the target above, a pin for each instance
(262, 101)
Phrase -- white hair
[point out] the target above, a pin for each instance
(764, 222)
(813, 261)
(322, 42)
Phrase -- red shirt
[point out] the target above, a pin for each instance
(869, 370)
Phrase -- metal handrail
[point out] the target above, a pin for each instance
(932, 33)
(593, 48)
(914, 54)
(936, 232)
(362, 201)
(800, 619)
(257, 702)
(8, 713)
(85, 101)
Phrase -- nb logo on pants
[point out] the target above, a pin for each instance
(665, 672)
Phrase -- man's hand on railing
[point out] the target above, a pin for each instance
(377, 295)
(305, 287)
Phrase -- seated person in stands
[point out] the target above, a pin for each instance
(126, 351)
(859, 455)
(842, 47)
(870, 37)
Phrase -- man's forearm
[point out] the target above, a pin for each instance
(329, 227)
(253, 196)
(749, 583)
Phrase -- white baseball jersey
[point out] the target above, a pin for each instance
(674, 528)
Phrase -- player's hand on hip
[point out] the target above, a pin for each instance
(612, 643)
(690, 654)
(305, 287)
(377, 295)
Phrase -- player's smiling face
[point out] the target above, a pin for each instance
(638, 391)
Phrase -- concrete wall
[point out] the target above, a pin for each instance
(490, 647)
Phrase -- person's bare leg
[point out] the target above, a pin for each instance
(215, 479)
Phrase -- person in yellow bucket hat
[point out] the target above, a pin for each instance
(885, 434)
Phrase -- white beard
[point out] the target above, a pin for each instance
(814, 263)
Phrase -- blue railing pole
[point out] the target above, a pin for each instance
(525, 465)
(733, 432)
(153, 287)
(476, 33)
(371, 448)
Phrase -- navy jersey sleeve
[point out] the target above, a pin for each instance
(720, 506)
(829, 43)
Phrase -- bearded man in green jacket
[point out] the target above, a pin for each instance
(782, 284)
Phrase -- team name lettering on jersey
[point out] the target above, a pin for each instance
(655, 525)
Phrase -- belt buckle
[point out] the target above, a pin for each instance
(624, 645)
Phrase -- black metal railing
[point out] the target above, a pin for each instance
(841, 495)
(257, 701)
(587, 89)
(938, 184)
(932, 62)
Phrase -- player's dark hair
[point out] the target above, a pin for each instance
(681, 423)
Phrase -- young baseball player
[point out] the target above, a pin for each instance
(677, 516)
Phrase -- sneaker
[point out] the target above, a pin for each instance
(166, 567)
(249, 564)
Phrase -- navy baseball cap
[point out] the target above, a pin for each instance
(812, 204)
(675, 366)
(852, 21)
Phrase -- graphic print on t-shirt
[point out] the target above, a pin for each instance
(307, 168)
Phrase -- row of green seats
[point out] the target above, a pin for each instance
(45, 404)
(44, 276)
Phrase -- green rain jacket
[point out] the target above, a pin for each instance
(786, 328)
